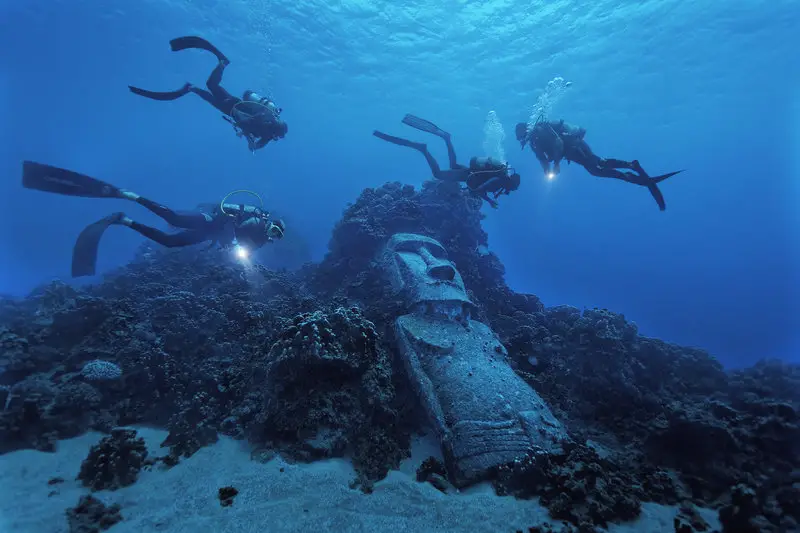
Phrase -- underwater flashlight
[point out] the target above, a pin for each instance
(551, 175)
(241, 252)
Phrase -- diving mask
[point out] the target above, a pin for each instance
(276, 229)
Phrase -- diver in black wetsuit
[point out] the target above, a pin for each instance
(255, 117)
(482, 176)
(481, 184)
(244, 227)
(553, 141)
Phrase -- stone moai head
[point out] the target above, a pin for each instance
(418, 267)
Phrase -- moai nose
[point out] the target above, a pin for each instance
(443, 272)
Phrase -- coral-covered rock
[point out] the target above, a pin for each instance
(209, 346)
(577, 486)
(328, 390)
(92, 516)
(115, 461)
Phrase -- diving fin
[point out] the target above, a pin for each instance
(61, 181)
(424, 125)
(84, 254)
(652, 183)
(184, 43)
(165, 96)
(659, 198)
(659, 179)
(656, 192)
(398, 140)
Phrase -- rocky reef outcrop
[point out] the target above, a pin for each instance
(306, 364)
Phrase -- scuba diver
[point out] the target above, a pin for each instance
(554, 141)
(244, 228)
(253, 116)
(481, 182)
(482, 176)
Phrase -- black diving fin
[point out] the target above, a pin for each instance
(84, 253)
(652, 183)
(424, 125)
(184, 43)
(48, 178)
(398, 140)
(659, 179)
(657, 195)
(164, 96)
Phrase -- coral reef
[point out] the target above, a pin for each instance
(305, 364)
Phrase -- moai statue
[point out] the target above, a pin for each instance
(484, 414)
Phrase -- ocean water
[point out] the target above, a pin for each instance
(709, 86)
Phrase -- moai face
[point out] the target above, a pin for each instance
(418, 266)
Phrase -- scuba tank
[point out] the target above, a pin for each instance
(483, 169)
(486, 164)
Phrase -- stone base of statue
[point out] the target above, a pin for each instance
(484, 414)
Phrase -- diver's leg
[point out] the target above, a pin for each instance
(170, 240)
(191, 220)
(451, 153)
(214, 83)
(637, 179)
(446, 175)
(429, 127)
(205, 95)
(608, 172)
(616, 163)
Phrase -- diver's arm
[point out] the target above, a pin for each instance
(558, 149)
(483, 192)
(544, 162)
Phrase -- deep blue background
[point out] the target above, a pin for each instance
(711, 87)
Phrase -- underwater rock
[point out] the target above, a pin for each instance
(483, 413)
(328, 389)
(226, 496)
(25, 421)
(191, 428)
(434, 472)
(92, 516)
(688, 520)
(576, 485)
(115, 461)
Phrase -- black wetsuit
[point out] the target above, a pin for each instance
(490, 176)
(248, 225)
(258, 120)
(554, 141)
(486, 167)
(260, 127)
(216, 95)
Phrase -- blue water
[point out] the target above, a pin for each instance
(713, 87)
